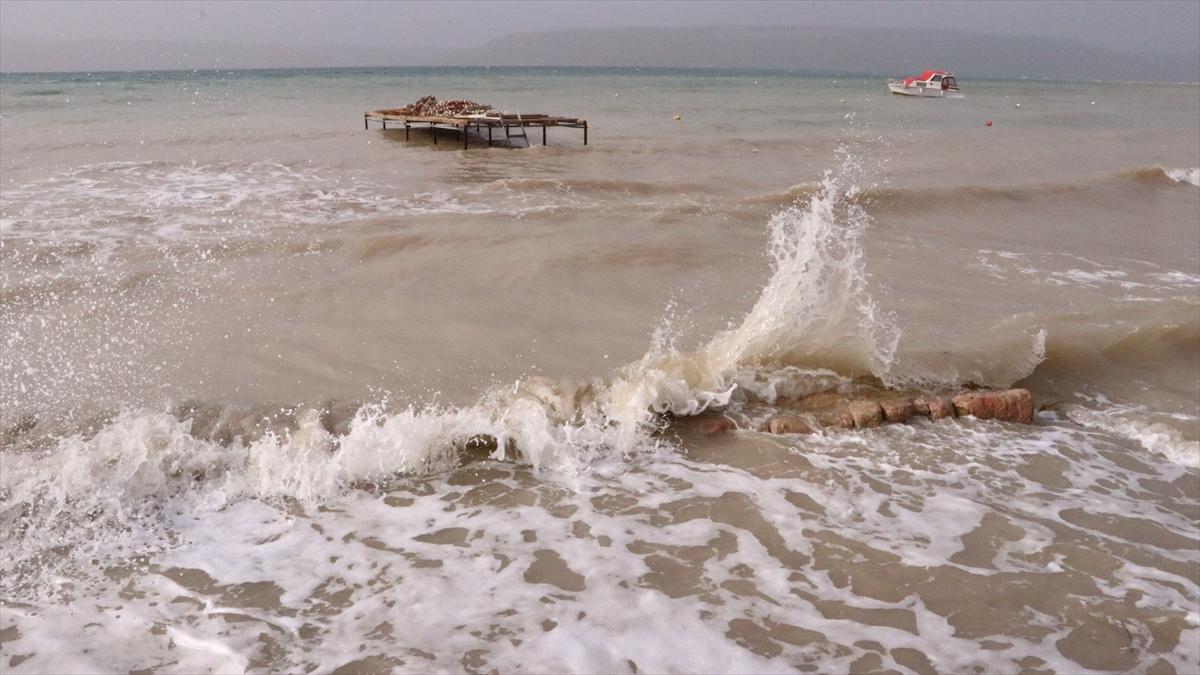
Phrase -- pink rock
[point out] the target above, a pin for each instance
(718, 424)
(788, 424)
(828, 408)
(838, 419)
(897, 410)
(866, 414)
(1012, 405)
(822, 401)
(933, 407)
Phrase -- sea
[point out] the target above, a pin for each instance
(284, 394)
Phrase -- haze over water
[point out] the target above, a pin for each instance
(247, 345)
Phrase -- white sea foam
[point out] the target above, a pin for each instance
(1142, 425)
(372, 562)
(1191, 176)
(220, 202)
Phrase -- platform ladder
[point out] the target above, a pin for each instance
(509, 136)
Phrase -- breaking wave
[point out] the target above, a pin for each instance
(122, 487)
(885, 198)
(814, 312)
(1137, 423)
(160, 201)
(1191, 176)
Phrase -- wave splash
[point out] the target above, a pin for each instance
(814, 312)
(816, 309)
(885, 198)
(130, 486)
(1191, 176)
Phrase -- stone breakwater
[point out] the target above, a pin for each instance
(836, 411)
(829, 410)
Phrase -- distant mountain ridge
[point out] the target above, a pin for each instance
(829, 49)
(66, 56)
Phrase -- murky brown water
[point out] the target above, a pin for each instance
(249, 366)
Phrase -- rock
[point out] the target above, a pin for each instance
(483, 442)
(933, 407)
(940, 408)
(838, 419)
(788, 424)
(897, 410)
(829, 408)
(822, 401)
(867, 408)
(866, 414)
(1013, 405)
(716, 424)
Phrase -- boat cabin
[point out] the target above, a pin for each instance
(933, 79)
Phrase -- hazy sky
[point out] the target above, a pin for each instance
(1126, 26)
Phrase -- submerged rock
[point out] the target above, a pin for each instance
(711, 425)
(788, 424)
(830, 409)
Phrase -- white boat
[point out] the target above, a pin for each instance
(930, 84)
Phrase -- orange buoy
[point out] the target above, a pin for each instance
(987, 123)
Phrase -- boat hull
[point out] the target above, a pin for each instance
(923, 92)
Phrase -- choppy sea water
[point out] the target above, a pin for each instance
(249, 349)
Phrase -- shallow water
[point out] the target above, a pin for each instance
(251, 350)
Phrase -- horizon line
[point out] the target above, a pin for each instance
(768, 69)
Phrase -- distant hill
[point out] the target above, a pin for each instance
(837, 50)
(25, 55)
(851, 50)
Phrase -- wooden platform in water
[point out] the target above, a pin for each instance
(483, 125)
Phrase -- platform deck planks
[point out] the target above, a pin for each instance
(481, 124)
